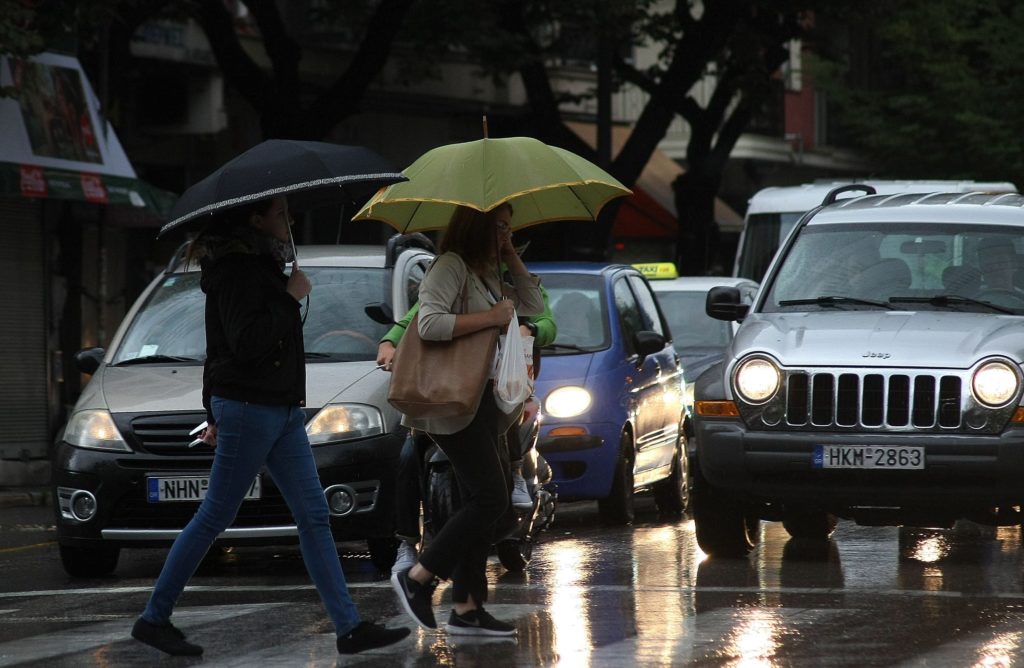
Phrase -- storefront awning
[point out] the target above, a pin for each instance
(54, 143)
(651, 210)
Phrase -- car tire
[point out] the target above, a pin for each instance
(617, 507)
(724, 527)
(810, 524)
(383, 552)
(671, 494)
(514, 554)
(441, 498)
(89, 562)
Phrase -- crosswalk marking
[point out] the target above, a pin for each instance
(32, 650)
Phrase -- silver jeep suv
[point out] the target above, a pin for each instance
(876, 377)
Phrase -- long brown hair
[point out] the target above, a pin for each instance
(472, 235)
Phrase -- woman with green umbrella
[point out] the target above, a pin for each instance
(475, 244)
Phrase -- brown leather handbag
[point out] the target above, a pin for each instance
(439, 379)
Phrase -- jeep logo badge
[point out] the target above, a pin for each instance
(881, 356)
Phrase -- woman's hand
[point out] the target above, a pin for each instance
(209, 436)
(298, 283)
(501, 313)
(505, 246)
(385, 353)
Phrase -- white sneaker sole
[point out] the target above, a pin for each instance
(403, 600)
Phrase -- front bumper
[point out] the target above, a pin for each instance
(124, 517)
(582, 466)
(963, 472)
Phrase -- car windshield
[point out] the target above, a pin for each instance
(171, 323)
(691, 327)
(902, 266)
(578, 305)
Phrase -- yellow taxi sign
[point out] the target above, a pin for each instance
(657, 269)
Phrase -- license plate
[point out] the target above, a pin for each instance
(868, 457)
(187, 488)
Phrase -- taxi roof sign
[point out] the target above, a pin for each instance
(655, 270)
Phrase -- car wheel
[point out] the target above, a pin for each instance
(617, 507)
(672, 494)
(724, 527)
(383, 551)
(809, 524)
(441, 498)
(89, 562)
(514, 554)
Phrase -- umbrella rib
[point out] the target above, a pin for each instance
(283, 190)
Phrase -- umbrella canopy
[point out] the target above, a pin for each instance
(543, 183)
(278, 167)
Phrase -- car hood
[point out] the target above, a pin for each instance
(150, 388)
(935, 339)
(558, 370)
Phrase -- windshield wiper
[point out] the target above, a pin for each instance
(567, 346)
(950, 300)
(833, 300)
(156, 359)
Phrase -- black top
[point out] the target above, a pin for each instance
(254, 347)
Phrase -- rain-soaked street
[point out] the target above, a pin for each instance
(592, 596)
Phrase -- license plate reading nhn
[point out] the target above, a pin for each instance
(189, 488)
(868, 457)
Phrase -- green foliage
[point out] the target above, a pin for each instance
(941, 98)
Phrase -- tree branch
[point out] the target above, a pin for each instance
(283, 51)
(238, 68)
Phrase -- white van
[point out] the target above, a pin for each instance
(772, 213)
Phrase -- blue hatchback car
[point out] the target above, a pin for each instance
(612, 387)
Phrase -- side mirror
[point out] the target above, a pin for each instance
(724, 303)
(380, 312)
(648, 343)
(89, 359)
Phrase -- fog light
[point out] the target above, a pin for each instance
(341, 499)
(772, 415)
(83, 505)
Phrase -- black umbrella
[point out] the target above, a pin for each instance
(304, 170)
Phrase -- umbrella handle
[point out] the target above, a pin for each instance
(295, 254)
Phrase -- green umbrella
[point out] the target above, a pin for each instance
(543, 183)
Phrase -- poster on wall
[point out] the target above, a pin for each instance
(54, 111)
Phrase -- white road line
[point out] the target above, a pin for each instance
(840, 591)
(33, 650)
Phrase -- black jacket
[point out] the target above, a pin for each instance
(254, 347)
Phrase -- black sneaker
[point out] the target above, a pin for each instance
(478, 622)
(165, 637)
(415, 598)
(368, 636)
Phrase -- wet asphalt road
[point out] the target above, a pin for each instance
(593, 596)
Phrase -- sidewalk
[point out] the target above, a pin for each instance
(12, 497)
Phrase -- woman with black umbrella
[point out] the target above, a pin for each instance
(254, 391)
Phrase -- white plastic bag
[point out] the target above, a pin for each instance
(513, 383)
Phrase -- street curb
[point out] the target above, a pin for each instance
(11, 498)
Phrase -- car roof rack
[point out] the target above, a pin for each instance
(400, 242)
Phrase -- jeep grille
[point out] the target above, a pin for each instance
(876, 400)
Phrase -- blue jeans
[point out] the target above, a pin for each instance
(250, 436)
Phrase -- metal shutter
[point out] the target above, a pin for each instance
(23, 371)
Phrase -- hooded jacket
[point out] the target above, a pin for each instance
(254, 346)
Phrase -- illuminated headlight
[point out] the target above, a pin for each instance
(94, 429)
(757, 380)
(688, 397)
(343, 422)
(994, 384)
(568, 401)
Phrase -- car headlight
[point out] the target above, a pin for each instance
(757, 380)
(94, 429)
(568, 401)
(343, 422)
(994, 384)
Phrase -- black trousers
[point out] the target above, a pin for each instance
(460, 550)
